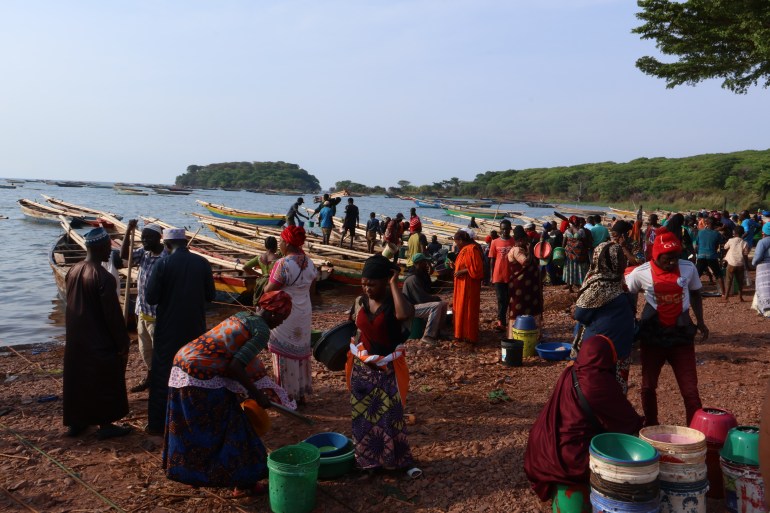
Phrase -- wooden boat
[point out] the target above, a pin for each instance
(79, 209)
(538, 204)
(70, 184)
(243, 216)
(468, 212)
(7, 186)
(130, 190)
(170, 191)
(423, 203)
(337, 194)
(41, 213)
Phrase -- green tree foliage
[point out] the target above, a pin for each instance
(358, 188)
(252, 175)
(726, 39)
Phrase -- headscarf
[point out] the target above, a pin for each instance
(294, 235)
(415, 224)
(276, 301)
(557, 449)
(605, 277)
(665, 242)
(96, 236)
(621, 227)
(377, 267)
(519, 233)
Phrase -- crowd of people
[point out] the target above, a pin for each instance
(194, 373)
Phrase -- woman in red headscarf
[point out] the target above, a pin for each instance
(557, 449)
(667, 333)
(209, 440)
(290, 342)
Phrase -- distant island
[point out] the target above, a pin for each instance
(260, 176)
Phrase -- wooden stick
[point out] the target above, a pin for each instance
(16, 457)
(128, 276)
(17, 501)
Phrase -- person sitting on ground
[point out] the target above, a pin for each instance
(737, 262)
(350, 222)
(434, 246)
(293, 215)
(473, 224)
(419, 291)
(372, 231)
(265, 262)
(326, 220)
(96, 345)
(210, 441)
(586, 401)
(144, 258)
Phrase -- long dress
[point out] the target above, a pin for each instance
(576, 251)
(209, 440)
(557, 449)
(524, 288)
(466, 300)
(94, 370)
(290, 342)
(378, 395)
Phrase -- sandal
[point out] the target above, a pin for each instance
(257, 489)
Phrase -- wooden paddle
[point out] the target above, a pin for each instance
(126, 302)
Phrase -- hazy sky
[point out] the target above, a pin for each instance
(369, 91)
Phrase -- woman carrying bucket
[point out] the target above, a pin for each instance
(376, 370)
(586, 401)
(209, 439)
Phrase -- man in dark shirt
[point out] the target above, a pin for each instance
(418, 290)
(373, 229)
(180, 284)
(350, 222)
(434, 246)
(293, 215)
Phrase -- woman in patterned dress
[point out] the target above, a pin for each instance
(524, 278)
(290, 342)
(576, 251)
(377, 375)
(209, 441)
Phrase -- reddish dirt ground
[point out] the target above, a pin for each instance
(470, 450)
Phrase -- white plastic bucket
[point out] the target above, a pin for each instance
(744, 490)
(679, 473)
(623, 474)
(683, 497)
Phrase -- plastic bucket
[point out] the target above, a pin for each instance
(293, 476)
(683, 497)
(571, 499)
(678, 473)
(676, 444)
(744, 490)
(716, 490)
(511, 352)
(530, 339)
(417, 328)
(625, 492)
(623, 474)
(602, 504)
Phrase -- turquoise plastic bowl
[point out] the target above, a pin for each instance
(742, 445)
(623, 449)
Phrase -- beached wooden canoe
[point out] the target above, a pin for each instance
(243, 216)
(41, 213)
(131, 191)
(79, 209)
(467, 212)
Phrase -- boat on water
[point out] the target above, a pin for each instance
(171, 191)
(483, 213)
(337, 194)
(70, 184)
(625, 213)
(79, 209)
(424, 203)
(130, 191)
(41, 213)
(243, 216)
(7, 186)
(538, 204)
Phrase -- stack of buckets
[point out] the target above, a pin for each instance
(714, 423)
(744, 489)
(683, 475)
(620, 481)
(525, 328)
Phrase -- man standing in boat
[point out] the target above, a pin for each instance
(144, 258)
(180, 285)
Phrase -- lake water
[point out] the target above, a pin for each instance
(30, 309)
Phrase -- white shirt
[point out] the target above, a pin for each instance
(736, 249)
(641, 279)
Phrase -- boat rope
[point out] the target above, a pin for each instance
(46, 373)
(67, 470)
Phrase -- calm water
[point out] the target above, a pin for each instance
(30, 309)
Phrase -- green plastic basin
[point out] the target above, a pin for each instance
(621, 448)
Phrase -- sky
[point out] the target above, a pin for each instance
(369, 91)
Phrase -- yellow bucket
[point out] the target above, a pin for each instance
(529, 337)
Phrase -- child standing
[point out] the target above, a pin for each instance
(737, 262)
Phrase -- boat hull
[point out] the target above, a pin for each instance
(267, 220)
